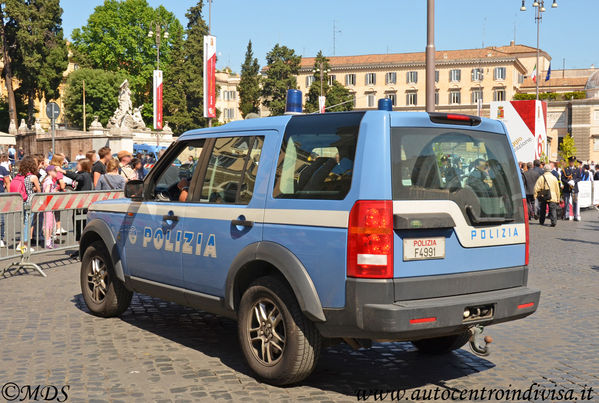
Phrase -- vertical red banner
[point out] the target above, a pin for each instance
(209, 76)
(157, 90)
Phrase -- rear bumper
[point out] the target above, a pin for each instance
(368, 314)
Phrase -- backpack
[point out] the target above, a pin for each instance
(17, 185)
(544, 194)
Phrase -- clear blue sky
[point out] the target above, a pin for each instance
(570, 31)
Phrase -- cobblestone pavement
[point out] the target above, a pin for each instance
(158, 351)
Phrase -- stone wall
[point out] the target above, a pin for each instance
(69, 142)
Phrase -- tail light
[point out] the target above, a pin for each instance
(454, 119)
(526, 254)
(370, 239)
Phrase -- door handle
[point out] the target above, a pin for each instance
(242, 223)
(169, 217)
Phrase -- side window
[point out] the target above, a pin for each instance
(231, 172)
(317, 157)
(177, 176)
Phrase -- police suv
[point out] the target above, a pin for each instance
(308, 229)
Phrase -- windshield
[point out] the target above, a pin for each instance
(474, 169)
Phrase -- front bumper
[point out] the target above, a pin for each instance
(373, 312)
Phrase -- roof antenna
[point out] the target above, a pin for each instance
(335, 32)
(484, 31)
(515, 17)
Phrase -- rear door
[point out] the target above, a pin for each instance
(228, 209)
(457, 194)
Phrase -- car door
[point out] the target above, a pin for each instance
(229, 212)
(154, 251)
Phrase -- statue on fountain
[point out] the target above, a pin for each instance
(127, 117)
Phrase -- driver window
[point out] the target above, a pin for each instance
(173, 183)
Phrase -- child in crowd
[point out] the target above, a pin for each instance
(49, 220)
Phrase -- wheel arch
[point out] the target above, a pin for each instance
(98, 230)
(269, 258)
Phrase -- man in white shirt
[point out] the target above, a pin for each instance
(80, 156)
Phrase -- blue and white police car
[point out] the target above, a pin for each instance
(355, 226)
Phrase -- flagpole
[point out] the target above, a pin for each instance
(538, 34)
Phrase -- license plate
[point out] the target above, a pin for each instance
(423, 248)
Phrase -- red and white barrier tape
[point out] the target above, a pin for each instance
(70, 200)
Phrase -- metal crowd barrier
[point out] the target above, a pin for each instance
(39, 229)
(11, 225)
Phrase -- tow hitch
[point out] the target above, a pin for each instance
(479, 344)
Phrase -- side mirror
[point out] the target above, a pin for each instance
(134, 189)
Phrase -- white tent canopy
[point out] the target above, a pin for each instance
(7, 139)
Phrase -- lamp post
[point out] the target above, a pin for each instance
(540, 9)
(322, 71)
(160, 33)
(158, 36)
(430, 56)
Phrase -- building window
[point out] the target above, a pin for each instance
(229, 95)
(412, 77)
(309, 81)
(436, 76)
(455, 97)
(229, 113)
(477, 74)
(455, 75)
(597, 114)
(499, 73)
(391, 78)
(370, 100)
(596, 144)
(332, 79)
(411, 98)
(350, 79)
(436, 97)
(354, 100)
(499, 95)
(520, 78)
(370, 78)
(477, 95)
(393, 98)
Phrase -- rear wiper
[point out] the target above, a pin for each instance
(486, 220)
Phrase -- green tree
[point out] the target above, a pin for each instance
(101, 95)
(282, 66)
(116, 38)
(336, 94)
(249, 84)
(567, 149)
(37, 48)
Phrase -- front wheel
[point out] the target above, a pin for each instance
(103, 293)
(442, 345)
(279, 343)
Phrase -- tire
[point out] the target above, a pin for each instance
(298, 340)
(442, 345)
(103, 293)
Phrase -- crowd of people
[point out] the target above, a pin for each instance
(30, 174)
(553, 186)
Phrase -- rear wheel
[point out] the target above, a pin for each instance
(279, 343)
(442, 345)
(103, 293)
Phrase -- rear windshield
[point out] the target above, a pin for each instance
(475, 169)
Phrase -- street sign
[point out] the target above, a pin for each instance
(52, 110)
